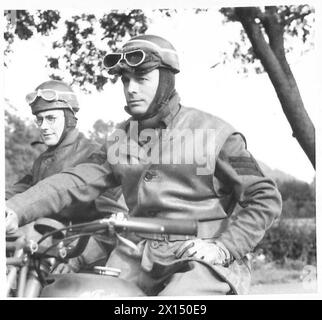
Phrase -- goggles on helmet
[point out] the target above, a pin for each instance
(132, 58)
(49, 95)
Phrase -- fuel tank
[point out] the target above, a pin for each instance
(87, 285)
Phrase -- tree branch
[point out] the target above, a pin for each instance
(295, 17)
(274, 30)
(283, 82)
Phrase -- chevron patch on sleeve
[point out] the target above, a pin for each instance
(245, 166)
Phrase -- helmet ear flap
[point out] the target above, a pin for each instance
(70, 119)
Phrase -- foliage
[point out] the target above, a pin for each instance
(298, 199)
(294, 236)
(23, 24)
(85, 41)
(290, 241)
(297, 21)
(101, 130)
(19, 155)
(275, 273)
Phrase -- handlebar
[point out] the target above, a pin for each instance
(146, 225)
(82, 231)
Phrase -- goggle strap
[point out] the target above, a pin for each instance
(59, 92)
(38, 93)
(153, 45)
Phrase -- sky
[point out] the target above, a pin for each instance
(249, 102)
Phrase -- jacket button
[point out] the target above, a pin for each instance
(148, 176)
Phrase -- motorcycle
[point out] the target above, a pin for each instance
(30, 264)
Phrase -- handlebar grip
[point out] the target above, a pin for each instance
(159, 225)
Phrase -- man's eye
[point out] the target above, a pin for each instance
(51, 118)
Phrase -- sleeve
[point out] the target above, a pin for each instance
(112, 200)
(81, 184)
(258, 201)
(20, 186)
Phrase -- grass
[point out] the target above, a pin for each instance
(273, 273)
(286, 253)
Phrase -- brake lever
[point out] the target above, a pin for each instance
(128, 243)
(120, 216)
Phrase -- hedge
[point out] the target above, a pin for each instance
(290, 239)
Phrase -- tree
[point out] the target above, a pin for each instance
(265, 28)
(85, 41)
(22, 24)
(101, 130)
(20, 155)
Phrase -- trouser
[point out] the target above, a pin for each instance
(160, 274)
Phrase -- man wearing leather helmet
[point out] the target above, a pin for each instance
(232, 200)
(55, 105)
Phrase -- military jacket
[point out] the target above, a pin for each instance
(220, 185)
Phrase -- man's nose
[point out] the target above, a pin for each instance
(44, 125)
(133, 86)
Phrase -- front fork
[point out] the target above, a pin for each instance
(23, 275)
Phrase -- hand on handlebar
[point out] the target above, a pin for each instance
(12, 221)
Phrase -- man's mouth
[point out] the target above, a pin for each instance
(134, 102)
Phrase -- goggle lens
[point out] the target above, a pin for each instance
(31, 97)
(112, 59)
(48, 95)
(132, 58)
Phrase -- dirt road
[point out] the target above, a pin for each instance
(285, 288)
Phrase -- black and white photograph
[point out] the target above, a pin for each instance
(161, 150)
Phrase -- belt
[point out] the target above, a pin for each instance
(206, 230)
(165, 237)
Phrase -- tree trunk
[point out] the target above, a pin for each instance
(272, 56)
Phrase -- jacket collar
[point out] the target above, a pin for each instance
(70, 138)
(173, 105)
